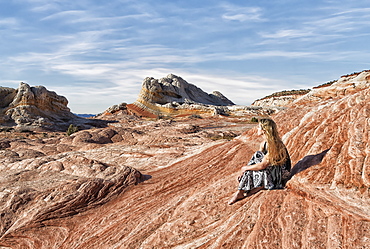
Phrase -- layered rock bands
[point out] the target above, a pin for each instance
(87, 196)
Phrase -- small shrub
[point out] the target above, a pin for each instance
(254, 120)
(25, 130)
(325, 84)
(72, 129)
(164, 117)
(195, 116)
(6, 129)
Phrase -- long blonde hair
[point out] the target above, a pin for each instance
(276, 150)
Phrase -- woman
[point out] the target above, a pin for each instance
(269, 167)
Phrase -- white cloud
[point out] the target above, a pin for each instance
(9, 23)
(237, 17)
(355, 11)
(43, 8)
(276, 53)
(321, 28)
(66, 15)
(242, 14)
(287, 33)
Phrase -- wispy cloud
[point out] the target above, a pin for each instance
(8, 23)
(242, 14)
(320, 28)
(287, 33)
(355, 11)
(69, 15)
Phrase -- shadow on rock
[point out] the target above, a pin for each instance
(307, 162)
(144, 178)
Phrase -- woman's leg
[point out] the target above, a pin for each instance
(237, 196)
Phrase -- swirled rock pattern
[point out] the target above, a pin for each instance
(183, 204)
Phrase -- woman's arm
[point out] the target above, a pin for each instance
(258, 166)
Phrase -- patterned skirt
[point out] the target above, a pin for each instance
(273, 177)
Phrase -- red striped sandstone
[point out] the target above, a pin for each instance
(184, 205)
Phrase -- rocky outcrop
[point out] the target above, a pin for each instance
(174, 89)
(344, 86)
(173, 95)
(280, 99)
(33, 108)
(114, 109)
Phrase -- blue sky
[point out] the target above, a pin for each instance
(97, 53)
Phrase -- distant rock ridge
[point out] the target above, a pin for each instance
(37, 108)
(280, 99)
(174, 95)
(346, 84)
(276, 101)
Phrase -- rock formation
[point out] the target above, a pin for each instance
(81, 191)
(173, 95)
(344, 86)
(280, 99)
(31, 108)
(276, 101)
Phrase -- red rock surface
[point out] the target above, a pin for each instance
(183, 204)
(136, 110)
